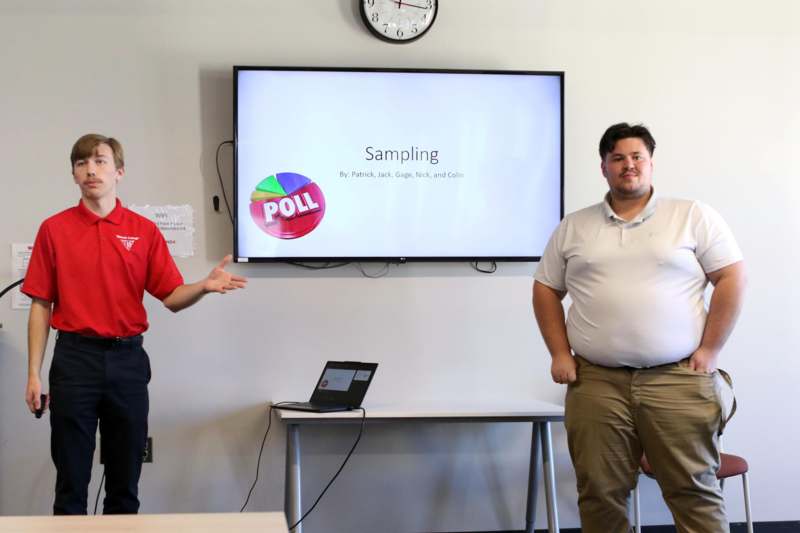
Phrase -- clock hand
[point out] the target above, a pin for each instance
(400, 4)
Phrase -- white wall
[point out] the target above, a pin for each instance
(716, 81)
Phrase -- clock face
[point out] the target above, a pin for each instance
(399, 21)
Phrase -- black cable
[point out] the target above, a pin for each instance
(96, 500)
(219, 175)
(381, 273)
(260, 451)
(4, 291)
(491, 270)
(360, 432)
(323, 266)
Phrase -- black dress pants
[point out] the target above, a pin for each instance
(98, 380)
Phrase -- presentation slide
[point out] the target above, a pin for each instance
(357, 164)
(338, 379)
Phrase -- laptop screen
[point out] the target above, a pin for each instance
(343, 383)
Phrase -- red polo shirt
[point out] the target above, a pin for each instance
(95, 270)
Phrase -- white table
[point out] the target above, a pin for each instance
(538, 413)
(149, 523)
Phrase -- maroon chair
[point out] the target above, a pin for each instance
(730, 466)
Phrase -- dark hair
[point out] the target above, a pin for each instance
(86, 145)
(623, 130)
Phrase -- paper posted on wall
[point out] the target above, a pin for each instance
(176, 223)
(20, 256)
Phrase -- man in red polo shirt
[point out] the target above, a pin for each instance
(87, 275)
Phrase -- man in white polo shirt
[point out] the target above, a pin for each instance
(638, 348)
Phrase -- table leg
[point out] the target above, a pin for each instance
(293, 502)
(549, 478)
(533, 480)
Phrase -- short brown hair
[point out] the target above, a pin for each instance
(86, 145)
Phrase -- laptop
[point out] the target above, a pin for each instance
(341, 387)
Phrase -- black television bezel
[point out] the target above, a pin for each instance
(381, 259)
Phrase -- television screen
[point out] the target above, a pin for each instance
(396, 164)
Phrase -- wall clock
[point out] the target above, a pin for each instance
(399, 21)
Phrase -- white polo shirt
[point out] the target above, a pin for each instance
(637, 287)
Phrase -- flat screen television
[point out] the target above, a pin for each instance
(357, 164)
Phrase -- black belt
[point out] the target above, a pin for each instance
(77, 339)
(663, 365)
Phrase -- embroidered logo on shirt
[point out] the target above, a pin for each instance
(127, 241)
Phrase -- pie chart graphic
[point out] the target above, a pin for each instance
(287, 205)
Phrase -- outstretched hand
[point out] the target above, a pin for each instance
(222, 281)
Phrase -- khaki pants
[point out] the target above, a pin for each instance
(673, 415)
